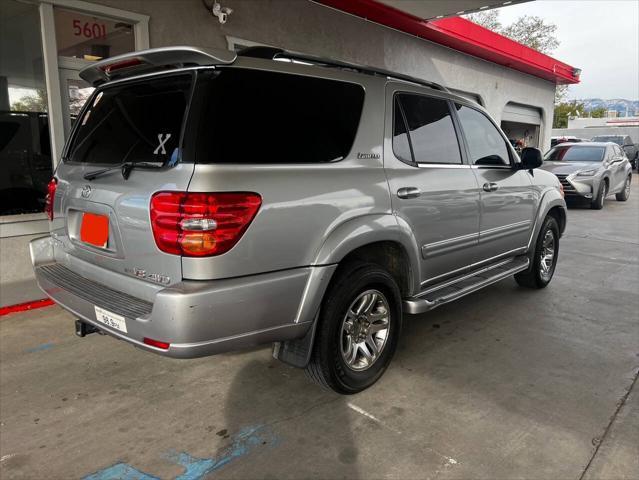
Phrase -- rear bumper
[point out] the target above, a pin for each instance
(197, 318)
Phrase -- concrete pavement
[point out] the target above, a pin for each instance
(506, 383)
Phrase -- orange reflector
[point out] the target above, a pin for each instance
(156, 343)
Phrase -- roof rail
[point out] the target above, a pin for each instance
(272, 53)
(145, 61)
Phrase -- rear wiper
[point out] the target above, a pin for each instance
(125, 168)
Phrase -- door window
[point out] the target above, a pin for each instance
(431, 132)
(486, 144)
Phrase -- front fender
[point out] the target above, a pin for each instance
(368, 229)
(549, 199)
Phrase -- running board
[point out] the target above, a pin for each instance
(452, 290)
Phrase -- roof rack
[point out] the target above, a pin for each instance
(272, 53)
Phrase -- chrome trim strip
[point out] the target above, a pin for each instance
(463, 277)
(513, 253)
(442, 165)
(415, 305)
(503, 231)
(491, 167)
(443, 246)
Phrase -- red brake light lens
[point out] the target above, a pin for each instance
(111, 67)
(49, 199)
(201, 224)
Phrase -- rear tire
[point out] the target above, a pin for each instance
(360, 313)
(625, 193)
(540, 272)
(598, 201)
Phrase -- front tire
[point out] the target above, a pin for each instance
(544, 259)
(359, 326)
(598, 201)
(625, 193)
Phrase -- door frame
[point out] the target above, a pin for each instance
(50, 56)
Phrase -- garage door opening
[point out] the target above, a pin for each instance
(522, 125)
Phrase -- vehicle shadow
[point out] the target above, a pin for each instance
(290, 426)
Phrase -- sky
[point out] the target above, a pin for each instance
(599, 36)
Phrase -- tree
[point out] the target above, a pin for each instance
(488, 19)
(36, 102)
(533, 32)
(565, 110)
(599, 112)
(529, 30)
(561, 91)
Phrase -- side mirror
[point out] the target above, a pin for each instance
(530, 158)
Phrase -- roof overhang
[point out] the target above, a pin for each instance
(434, 9)
(462, 35)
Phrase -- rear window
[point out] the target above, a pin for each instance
(617, 140)
(258, 117)
(573, 153)
(134, 122)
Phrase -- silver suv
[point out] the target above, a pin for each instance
(208, 201)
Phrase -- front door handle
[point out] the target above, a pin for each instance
(490, 187)
(408, 192)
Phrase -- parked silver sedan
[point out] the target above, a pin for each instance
(591, 170)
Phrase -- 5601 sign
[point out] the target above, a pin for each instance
(89, 29)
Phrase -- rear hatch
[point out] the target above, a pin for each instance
(101, 209)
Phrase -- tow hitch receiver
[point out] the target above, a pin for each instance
(82, 329)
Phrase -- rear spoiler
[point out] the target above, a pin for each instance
(145, 61)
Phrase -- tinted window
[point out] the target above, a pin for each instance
(609, 138)
(574, 153)
(486, 145)
(251, 116)
(431, 131)
(401, 147)
(25, 161)
(133, 122)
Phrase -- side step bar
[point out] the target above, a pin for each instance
(452, 290)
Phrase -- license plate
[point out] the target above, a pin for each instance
(95, 229)
(110, 319)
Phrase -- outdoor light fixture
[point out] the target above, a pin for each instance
(576, 72)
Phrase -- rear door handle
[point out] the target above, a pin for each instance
(408, 192)
(490, 187)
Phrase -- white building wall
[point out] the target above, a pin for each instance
(307, 27)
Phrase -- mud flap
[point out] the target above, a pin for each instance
(297, 352)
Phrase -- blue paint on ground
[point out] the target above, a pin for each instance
(120, 471)
(39, 348)
(195, 468)
(247, 439)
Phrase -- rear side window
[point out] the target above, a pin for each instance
(251, 116)
(430, 130)
(486, 145)
(133, 122)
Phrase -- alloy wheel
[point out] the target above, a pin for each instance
(365, 330)
(547, 257)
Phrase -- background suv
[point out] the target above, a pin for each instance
(591, 170)
(208, 202)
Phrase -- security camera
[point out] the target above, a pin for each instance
(222, 13)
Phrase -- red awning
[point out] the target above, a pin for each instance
(464, 36)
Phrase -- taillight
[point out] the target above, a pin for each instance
(201, 224)
(49, 199)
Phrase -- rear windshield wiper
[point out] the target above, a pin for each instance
(126, 169)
